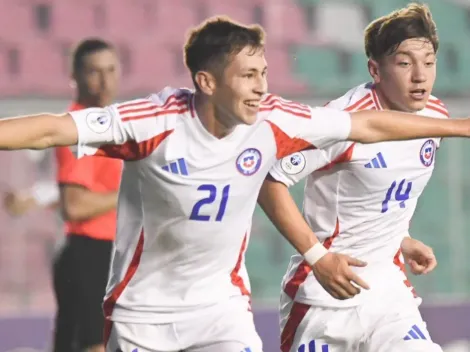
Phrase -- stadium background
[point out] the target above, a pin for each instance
(314, 52)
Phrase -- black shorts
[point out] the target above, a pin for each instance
(80, 277)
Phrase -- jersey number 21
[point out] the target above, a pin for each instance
(197, 208)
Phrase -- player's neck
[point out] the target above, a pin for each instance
(387, 104)
(214, 121)
(383, 101)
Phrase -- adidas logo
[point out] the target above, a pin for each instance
(177, 167)
(377, 163)
(414, 334)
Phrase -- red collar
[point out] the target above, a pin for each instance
(76, 106)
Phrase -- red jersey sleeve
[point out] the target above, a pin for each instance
(71, 170)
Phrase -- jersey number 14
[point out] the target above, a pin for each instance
(401, 194)
(212, 189)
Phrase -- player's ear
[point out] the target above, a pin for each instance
(373, 67)
(206, 82)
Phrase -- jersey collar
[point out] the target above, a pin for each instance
(375, 97)
(74, 106)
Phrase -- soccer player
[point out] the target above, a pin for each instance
(359, 202)
(88, 198)
(194, 164)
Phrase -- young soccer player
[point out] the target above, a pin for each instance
(359, 200)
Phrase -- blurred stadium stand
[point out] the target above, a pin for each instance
(314, 47)
(315, 53)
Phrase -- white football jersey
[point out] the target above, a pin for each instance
(359, 200)
(187, 198)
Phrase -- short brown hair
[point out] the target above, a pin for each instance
(385, 34)
(210, 45)
(86, 47)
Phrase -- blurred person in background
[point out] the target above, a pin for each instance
(86, 193)
(360, 199)
(88, 197)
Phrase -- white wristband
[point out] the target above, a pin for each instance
(315, 253)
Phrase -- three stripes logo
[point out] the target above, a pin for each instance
(414, 334)
(313, 346)
(177, 167)
(377, 163)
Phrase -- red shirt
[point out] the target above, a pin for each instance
(97, 174)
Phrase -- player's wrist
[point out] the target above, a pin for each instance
(315, 253)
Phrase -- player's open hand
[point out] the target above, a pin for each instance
(333, 272)
(419, 257)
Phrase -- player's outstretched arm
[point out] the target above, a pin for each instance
(331, 269)
(371, 126)
(37, 131)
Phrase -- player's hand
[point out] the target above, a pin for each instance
(419, 257)
(17, 204)
(333, 272)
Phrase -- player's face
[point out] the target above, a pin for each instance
(405, 79)
(242, 85)
(99, 77)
